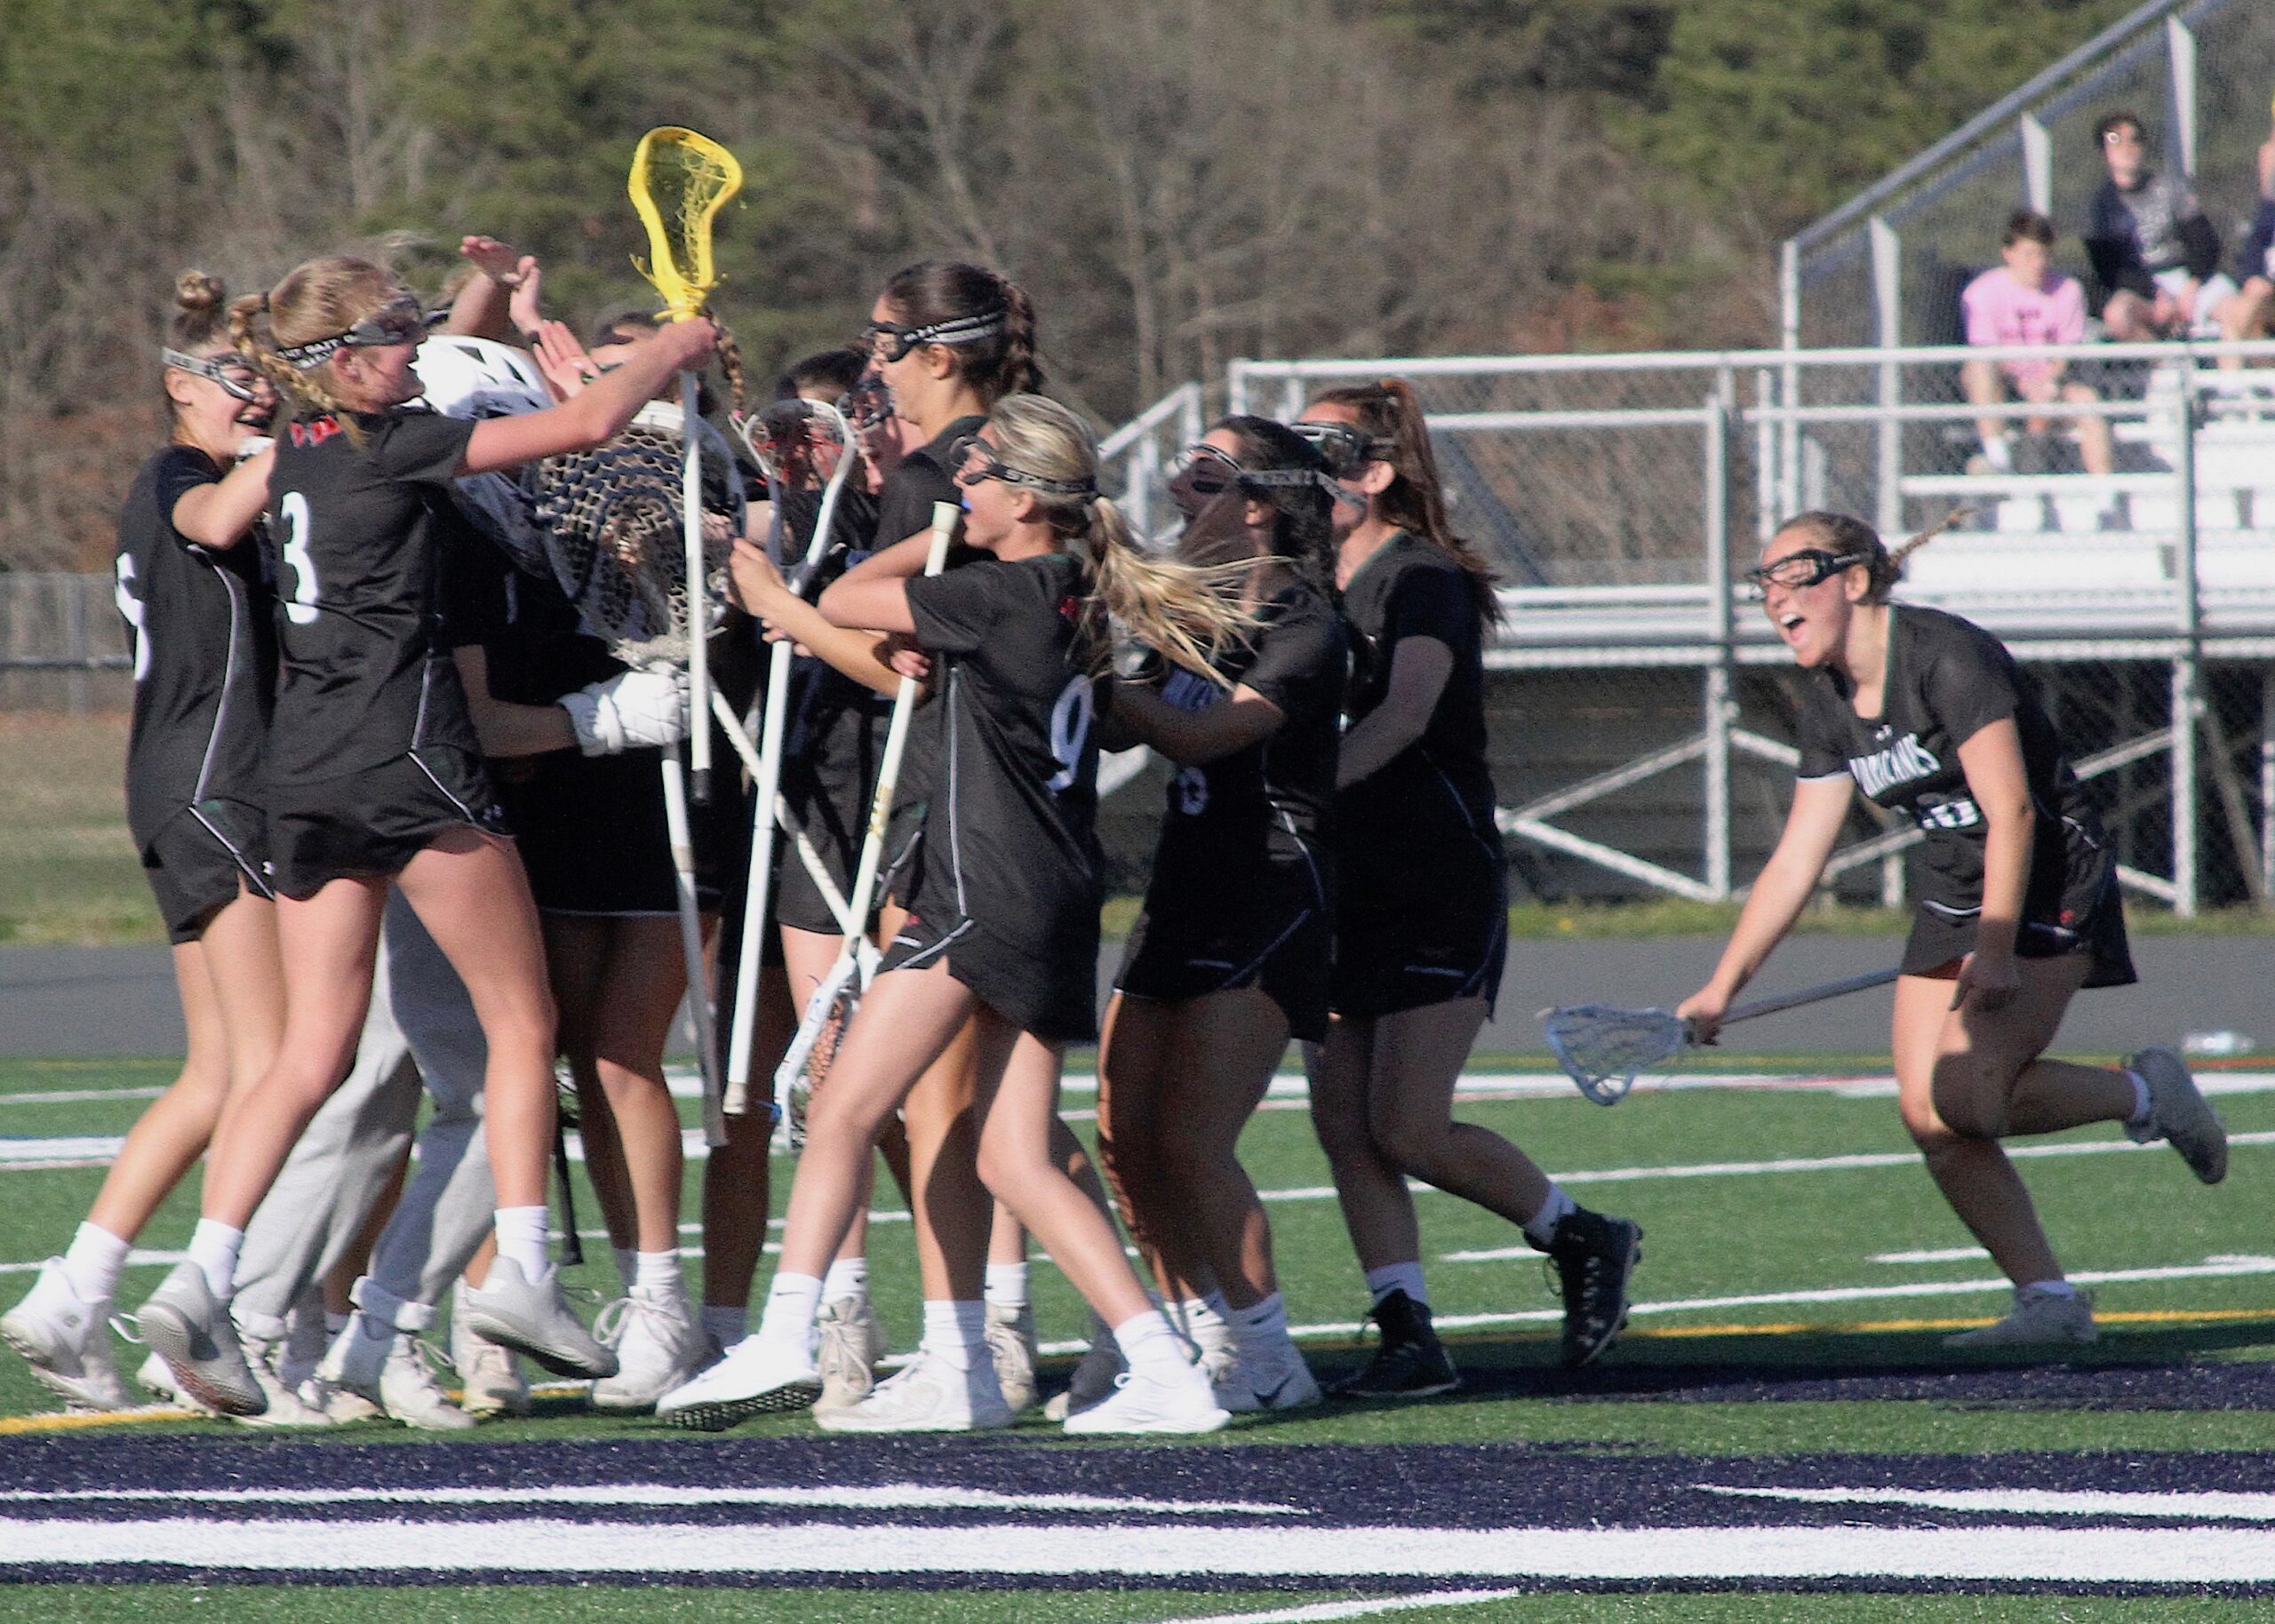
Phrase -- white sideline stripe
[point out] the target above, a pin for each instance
(1325, 1611)
(1946, 1255)
(2192, 1505)
(77, 1097)
(536, 1546)
(881, 1497)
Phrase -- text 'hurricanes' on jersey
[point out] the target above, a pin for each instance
(1007, 878)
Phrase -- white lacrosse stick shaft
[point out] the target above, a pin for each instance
(699, 619)
(768, 790)
(850, 957)
(690, 942)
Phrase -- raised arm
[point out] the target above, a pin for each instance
(221, 515)
(1813, 824)
(599, 412)
(480, 309)
(859, 654)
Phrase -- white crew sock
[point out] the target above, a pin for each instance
(1397, 1278)
(627, 1266)
(213, 1248)
(1006, 1284)
(848, 1276)
(2139, 1127)
(1150, 1346)
(1996, 452)
(2052, 1288)
(521, 1239)
(1540, 1229)
(95, 1262)
(956, 1331)
(1261, 1326)
(657, 1274)
(1207, 1321)
(726, 1323)
(791, 1304)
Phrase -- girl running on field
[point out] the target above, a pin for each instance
(374, 776)
(2017, 907)
(1001, 929)
(1230, 956)
(1422, 917)
(199, 614)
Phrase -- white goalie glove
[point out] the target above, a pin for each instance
(629, 711)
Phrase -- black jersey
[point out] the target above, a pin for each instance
(1947, 679)
(1269, 800)
(205, 652)
(1009, 870)
(534, 642)
(358, 520)
(1438, 790)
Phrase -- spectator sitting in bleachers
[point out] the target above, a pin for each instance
(2026, 302)
(2246, 315)
(2152, 247)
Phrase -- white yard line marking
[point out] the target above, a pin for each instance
(543, 1546)
(2190, 1506)
(78, 1096)
(880, 1497)
(1321, 1611)
(1944, 1254)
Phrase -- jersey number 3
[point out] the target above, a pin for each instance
(301, 607)
(1070, 730)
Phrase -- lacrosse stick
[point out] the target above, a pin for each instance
(610, 521)
(1602, 1047)
(794, 418)
(833, 1003)
(680, 180)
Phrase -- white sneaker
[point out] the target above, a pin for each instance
(756, 1377)
(2179, 1115)
(409, 1393)
(288, 1404)
(927, 1395)
(490, 1374)
(851, 1343)
(1094, 1378)
(1273, 1378)
(1010, 1344)
(657, 1347)
(183, 1321)
(154, 1378)
(533, 1317)
(1165, 1401)
(67, 1342)
(2037, 1316)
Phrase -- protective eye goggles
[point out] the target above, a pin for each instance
(785, 434)
(973, 460)
(1207, 471)
(1807, 568)
(868, 403)
(399, 322)
(1346, 451)
(236, 375)
(891, 341)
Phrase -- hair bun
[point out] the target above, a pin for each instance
(194, 290)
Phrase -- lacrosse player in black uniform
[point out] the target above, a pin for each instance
(198, 611)
(1422, 915)
(1002, 924)
(1230, 956)
(374, 776)
(2018, 902)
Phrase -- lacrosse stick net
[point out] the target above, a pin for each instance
(679, 182)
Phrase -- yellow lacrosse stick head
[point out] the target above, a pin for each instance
(679, 181)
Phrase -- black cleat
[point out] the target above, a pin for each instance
(1409, 1364)
(1593, 1255)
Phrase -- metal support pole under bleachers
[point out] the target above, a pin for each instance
(2180, 56)
(2038, 163)
(2187, 666)
(1721, 709)
(1888, 272)
(1789, 433)
(2267, 782)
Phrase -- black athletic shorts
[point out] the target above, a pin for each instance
(2078, 911)
(596, 840)
(1056, 999)
(1405, 949)
(373, 822)
(1275, 934)
(198, 858)
(835, 826)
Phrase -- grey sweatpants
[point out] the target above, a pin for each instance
(421, 1029)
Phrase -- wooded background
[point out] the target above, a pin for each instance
(1177, 182)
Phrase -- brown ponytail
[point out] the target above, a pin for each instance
(994, 365)
(1415, 501)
